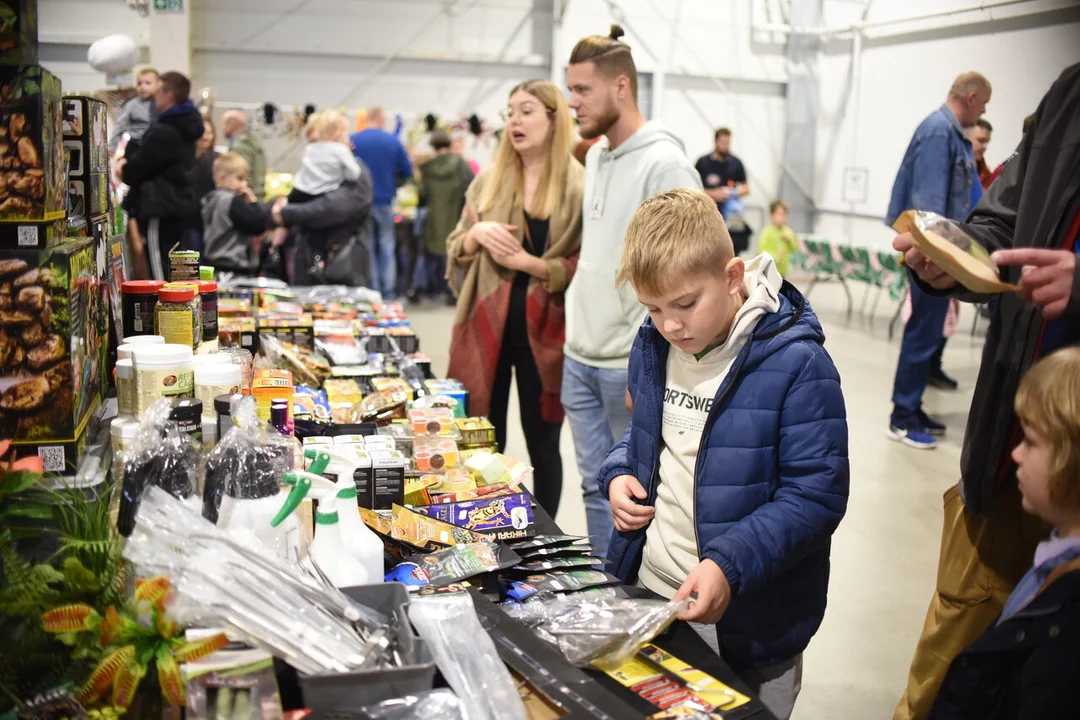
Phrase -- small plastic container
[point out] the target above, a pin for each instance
(435, 454)
(122, 431)
(139, 298)
(223, 408)
(162, 371)
(213, 379)
(475, 431)
(208, 300)
(431, 421)
(125, 387)
(124, 351)
(178, 316)
(209, 432)
(187, 413)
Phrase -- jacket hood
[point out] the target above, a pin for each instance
(186, 119)
(443, 167)
(650, 133)
(793, 321)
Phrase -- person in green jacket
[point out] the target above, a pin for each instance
(443, 182)
(778, 239)
(247, 145)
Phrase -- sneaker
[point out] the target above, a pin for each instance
(942, 381)
(929, 424)
(915, 437)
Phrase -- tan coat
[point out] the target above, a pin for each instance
(483, 290)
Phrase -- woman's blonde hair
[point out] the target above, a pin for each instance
(1048, 402)
(326, 125)
(508, 175)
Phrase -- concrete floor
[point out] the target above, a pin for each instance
(885, 552)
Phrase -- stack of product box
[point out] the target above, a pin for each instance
(53, 292)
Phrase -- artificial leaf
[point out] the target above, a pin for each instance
(172, 685)
(28, 509)
(70, 618)
(102, 678)
(18, 481)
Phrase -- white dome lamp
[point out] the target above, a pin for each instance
(114, 55)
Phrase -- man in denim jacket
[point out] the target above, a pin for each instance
(936, 175)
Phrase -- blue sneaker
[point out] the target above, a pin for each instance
(929, 424)
(915, 437)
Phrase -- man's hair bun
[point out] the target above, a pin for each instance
(616, 32)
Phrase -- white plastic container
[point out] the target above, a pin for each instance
(122, 431)
(209, 432)
(162, 371)
(125, 387)
(124, 351)
(216, 378)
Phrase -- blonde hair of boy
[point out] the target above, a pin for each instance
(508, 174)
(230, 164)
(672, 235)
(1048, 402)
(326, 126)
(148, 71)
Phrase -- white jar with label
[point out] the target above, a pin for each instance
(215, 378)
(162, 371)
(125, 387)
(124, 351)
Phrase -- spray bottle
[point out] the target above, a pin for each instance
(327, 550)
(361, 542)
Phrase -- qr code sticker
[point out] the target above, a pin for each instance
(52, 457)
(28, 235)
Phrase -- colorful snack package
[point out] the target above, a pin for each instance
(509, 516)
(423, 532)
(538, 566)
(541, 541)
(460, 562)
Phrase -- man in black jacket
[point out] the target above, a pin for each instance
(162, 173)
(1029, 219)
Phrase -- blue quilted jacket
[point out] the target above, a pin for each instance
(771, 484)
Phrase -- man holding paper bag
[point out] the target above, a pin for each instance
(1029, 220)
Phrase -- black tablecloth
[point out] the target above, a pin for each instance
(681, 641)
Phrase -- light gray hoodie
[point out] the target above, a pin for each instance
(602, 319)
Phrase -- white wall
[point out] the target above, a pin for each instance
(906, 73)
(66, 28)
(325, 53)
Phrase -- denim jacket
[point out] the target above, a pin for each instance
(937, 172)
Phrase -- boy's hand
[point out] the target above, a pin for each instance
(248, 194)
(713, 593)
(628, 515)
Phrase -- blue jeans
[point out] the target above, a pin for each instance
(595, 403)
(383, 251)
(429, 277)
(922, 337)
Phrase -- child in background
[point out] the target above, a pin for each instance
(733, 475)
(233, 219)
(137, 114)
(778, 239)
(327, 162)
(1027, 664)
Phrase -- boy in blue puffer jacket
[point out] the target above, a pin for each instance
(733, 475)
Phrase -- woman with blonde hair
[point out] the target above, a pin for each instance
(510, 260)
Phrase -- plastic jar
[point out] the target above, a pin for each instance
(140, 297)
(223, 408)
(123, 431)
(209, 433)
(216, 378)
(187, 413)
(125, 387)
(177, 316)
(208, 300)
(124, 351)
(162, 371)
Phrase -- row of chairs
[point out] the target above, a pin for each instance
(879, 270)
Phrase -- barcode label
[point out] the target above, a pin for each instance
(52, 456)
(28, 235)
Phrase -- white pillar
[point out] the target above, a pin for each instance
(170, 36)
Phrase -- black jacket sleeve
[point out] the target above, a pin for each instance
(249, 218)
(350, 203)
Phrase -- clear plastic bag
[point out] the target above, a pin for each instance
(160, 455)
(945, 243)
(442, 704)
(604, 632)
(467, 657)
(307, 366)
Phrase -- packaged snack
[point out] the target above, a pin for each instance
(454, 481)
(392, 384)
(539, 566)
(416, 489)
(342, 349)
(344, 396)
(488, 491)
(403, 439)
(306, 366)
(541, 541)
(502, 517)
(497, 469)
(560, 581)
(451, 388)
(409, 574)
(466, 560)
(382, 407)
(268, 385)
(310, 404)
(953, 250)
(434, 454)
(424, 532)
(431, 421)
(549, 553)
(377, 522)
(475, 431)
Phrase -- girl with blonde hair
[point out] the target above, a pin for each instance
(510, 260)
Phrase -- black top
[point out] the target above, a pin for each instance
(719, 173)
(536, 242)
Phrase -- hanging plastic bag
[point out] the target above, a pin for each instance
(162, 455)
(959, 255)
